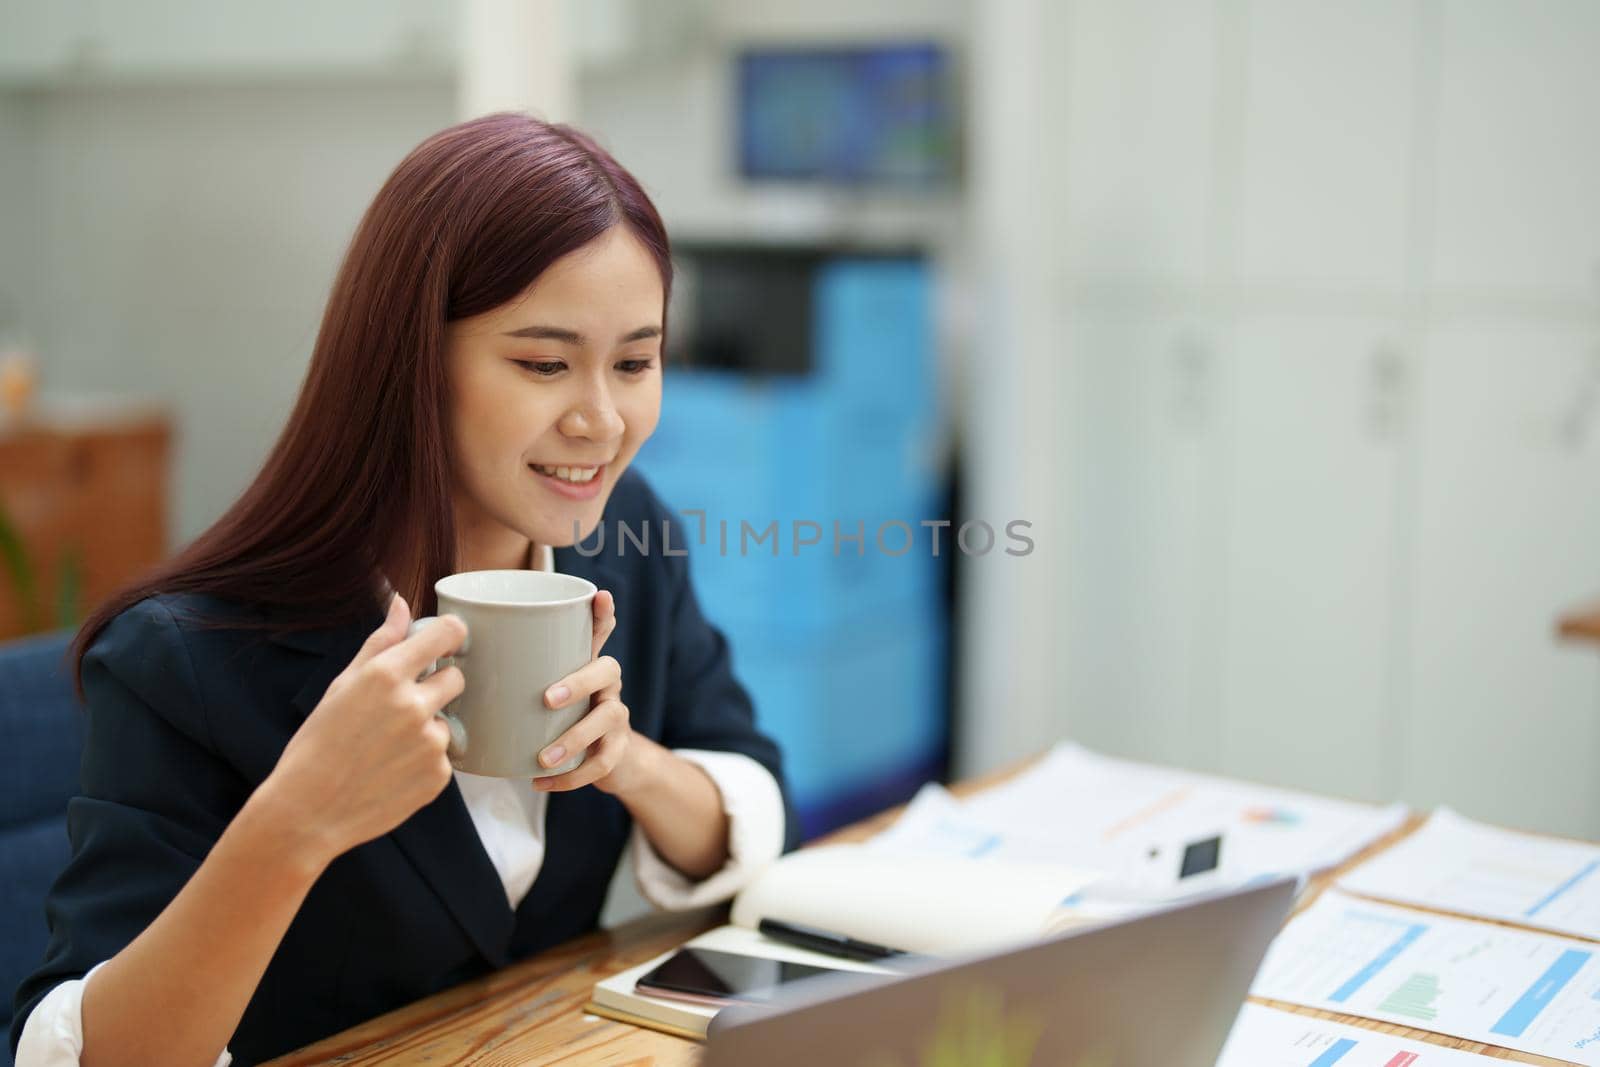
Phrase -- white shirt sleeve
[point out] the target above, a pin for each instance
(53, 1034)
(754, 807)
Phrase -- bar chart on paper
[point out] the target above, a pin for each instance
(1263, 1037)
(1454, 864)
(1513, 988)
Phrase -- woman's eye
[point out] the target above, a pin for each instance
(543, 368)
(634, 366)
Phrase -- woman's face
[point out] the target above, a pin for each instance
(551, 396)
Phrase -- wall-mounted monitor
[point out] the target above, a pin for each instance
(856, 115)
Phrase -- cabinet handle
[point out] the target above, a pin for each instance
(1192, 373)
(1386, 404)
(1577, 422)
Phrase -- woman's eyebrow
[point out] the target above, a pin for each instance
(548, 333)
(573, 337)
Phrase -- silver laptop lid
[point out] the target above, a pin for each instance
(1160, 990)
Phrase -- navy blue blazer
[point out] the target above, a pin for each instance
(185, 721)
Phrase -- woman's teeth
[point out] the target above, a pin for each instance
(577, 475)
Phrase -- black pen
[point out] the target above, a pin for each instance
(826, 941)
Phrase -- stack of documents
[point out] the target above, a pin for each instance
(1454, 864)
(1483, 982)
(1138, 823)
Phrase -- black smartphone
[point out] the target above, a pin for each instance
(706, 976)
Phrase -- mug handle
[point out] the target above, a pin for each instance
(458, 729)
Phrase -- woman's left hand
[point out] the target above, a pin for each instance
(604, 732)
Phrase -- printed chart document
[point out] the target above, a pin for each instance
(1264, 1037)
(1534, 992)
(1159, 833)
(1454, 864)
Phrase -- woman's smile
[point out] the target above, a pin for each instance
(574, 483)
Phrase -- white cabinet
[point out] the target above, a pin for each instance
(37, 38)
(1317, 418)
(1137, 121)
(1140, 628)
(176, 39)
(1518, 149)
(1333, 391)
(1502, 720)
(1326, 154)
(178, 35)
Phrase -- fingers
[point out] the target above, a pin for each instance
(441, 687)
(592, 677)
(605, 620)
(414, 655)
(601, 760)
(438, 732)
(390, 633)
(603, 719)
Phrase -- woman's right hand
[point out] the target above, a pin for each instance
(372, 751)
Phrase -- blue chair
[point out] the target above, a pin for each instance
(41, 742)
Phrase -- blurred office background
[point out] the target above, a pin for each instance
(1279, 322)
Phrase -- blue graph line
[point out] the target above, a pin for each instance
(1382, 960)
(1334, 1054)
(1563, 887)
(1541, 993)
(988, 844)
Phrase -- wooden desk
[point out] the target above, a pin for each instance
(532, 1012)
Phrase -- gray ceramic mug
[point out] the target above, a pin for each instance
(526, 630)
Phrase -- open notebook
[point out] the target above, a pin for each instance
(933, 905)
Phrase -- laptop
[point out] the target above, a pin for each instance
(1159, 990)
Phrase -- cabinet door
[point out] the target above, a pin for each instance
(1518, 148)
(38, 39)
(1140, 623)
(1504, 720)
(1325, 159)
(1317, 416)
(189, 37)
(1138, 130)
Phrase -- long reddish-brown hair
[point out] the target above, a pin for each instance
(361, 476)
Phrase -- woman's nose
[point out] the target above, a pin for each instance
(596, 418)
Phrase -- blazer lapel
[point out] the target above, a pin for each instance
(443, 845)
(438, 839)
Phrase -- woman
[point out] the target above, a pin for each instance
(271, 845)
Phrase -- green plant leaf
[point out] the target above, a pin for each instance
(15, 557)
(69, 588)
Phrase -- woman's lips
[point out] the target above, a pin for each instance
(571, 490)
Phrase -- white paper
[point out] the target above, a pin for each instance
(1534, 992)
(1133, 821)
(936, 905)
(1454, 864)
(1264, 1037)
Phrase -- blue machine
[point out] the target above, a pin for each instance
(842, 643)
